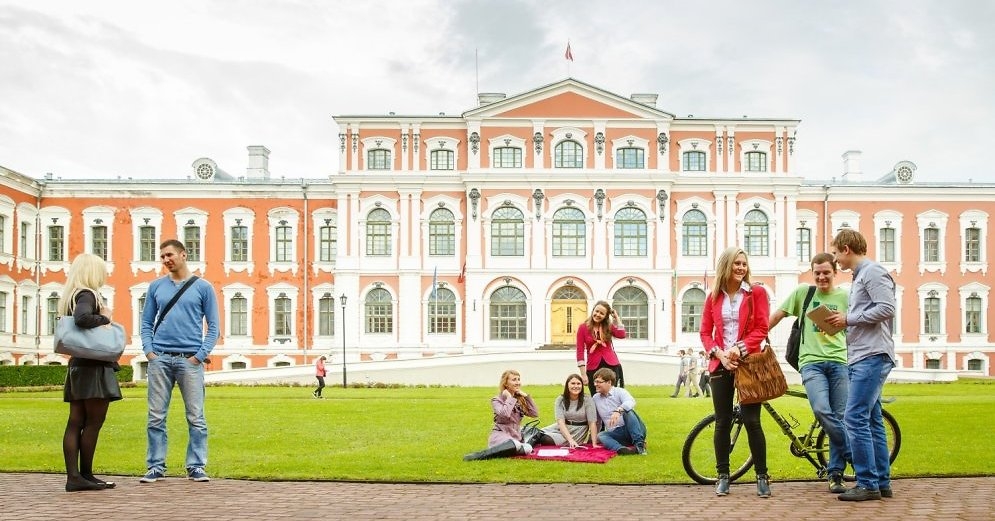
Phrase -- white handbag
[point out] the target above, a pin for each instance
(105, 343)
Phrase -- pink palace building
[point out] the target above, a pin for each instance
(496, 230)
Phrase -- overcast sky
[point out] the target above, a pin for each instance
(101, 89)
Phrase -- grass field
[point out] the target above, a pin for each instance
(420, 434)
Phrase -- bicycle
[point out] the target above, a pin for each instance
(698, 454)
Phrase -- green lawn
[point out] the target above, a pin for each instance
(421, 434)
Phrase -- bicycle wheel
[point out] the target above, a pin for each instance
(891, 431)
(698, 454)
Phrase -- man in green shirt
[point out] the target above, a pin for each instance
(822, 361)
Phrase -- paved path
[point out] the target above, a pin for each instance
(41, 497)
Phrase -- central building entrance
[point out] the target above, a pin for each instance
(568, 310)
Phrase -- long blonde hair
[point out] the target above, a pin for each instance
(505, 376)
(87, 271)
(723, 270)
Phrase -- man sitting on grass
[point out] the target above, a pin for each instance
(620, 425)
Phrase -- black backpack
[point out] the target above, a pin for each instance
(795, 339)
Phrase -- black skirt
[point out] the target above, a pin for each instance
(89, 379)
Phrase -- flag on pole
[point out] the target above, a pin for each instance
(568, 55)
(435, 282)
(462, 274)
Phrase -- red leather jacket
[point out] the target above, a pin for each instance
(754, 322)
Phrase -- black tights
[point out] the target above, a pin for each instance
(619, 381)
(86, 417)
(723, 386)
(321, 385)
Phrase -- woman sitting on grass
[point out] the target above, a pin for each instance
(510, 405)
(576, 417)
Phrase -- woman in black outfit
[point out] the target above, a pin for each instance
(90, 384)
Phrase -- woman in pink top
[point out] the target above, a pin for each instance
(319, 373)
(594, 342)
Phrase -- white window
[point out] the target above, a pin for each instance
(932, 236)
(238, 240)
(324, 223)
(98, 233)
(56, 230)
(974, 241)
(754, 155)
(974, 311)
(238, 301)
(6, 230)
(695, 251)
(887, 247)
(191, 230)
(380, 153)
(932, 315)
(26, 244)
(568, 148)
(443, 153)
(283, 226)
(146, 224)
(696, 154)
(506, 151)
(324, 302)
(630, 152)
(283, 315)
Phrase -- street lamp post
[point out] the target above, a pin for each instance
(343, 299)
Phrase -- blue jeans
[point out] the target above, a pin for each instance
(826, 386)
(864, 423)
(165, 371)
(632, 433)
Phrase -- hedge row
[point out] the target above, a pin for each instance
(44, 375)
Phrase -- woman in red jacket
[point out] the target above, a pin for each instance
(594, 341)
(734, 324)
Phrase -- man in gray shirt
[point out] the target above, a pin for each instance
(870, 358)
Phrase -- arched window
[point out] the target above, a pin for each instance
(633, 309)
(756, 161)
(378, 159)
(379, 311)
(694, 236)
(693, 161)
(630, 232)
(442, 312)
(507, 157)
(441, 232)
(378, 234)
(630, 158)
(442, 160)
(508, 232)
(931, 315)
(508, 317)
(568, 154)
(691, 308)
(755, 234)
(569, 233)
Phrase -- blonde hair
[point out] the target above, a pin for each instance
(723, 269)
(505, 376)
(87, 271)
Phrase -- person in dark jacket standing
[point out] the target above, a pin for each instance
(90, 384)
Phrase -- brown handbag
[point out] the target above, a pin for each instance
(759, 377)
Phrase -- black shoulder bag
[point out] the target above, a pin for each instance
(169, 305)
(796, 339)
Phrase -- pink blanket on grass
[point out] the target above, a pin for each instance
(553, 453)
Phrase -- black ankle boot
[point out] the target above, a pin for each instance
(501, 450)
(763, 485)
(722, 487)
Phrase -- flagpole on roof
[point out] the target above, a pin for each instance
(569, 56)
